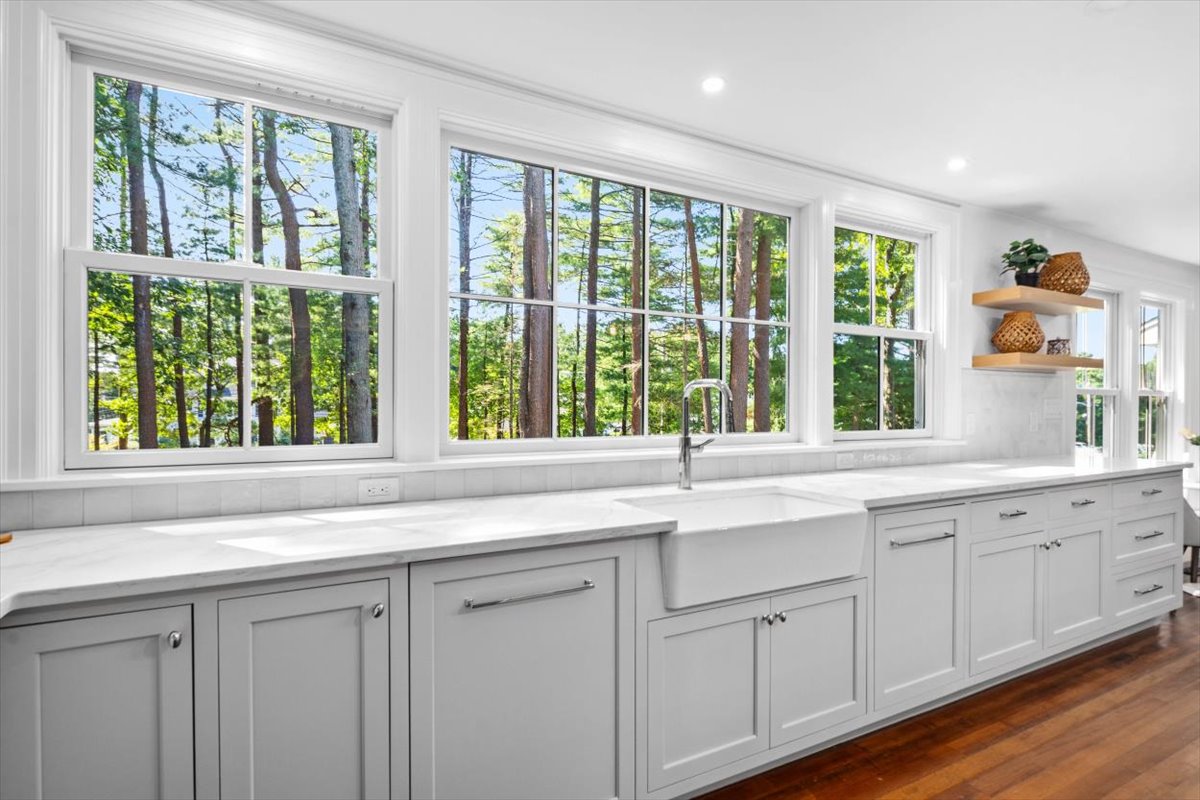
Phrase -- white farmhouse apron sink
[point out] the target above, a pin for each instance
(743, 542)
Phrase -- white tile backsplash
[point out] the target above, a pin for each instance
(109, 504)
(56, 508)
(1013, 415)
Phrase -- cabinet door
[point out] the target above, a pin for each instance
(98, 707)
(918, 627)
(303, 683)
(1076, 577)
(1006, 599)
(818, 660)
(707, 691)
(522, 675)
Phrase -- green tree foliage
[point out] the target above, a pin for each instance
(605, 232)
(175, 160)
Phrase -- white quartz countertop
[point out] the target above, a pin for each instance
(71, 565)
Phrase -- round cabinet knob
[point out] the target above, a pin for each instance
(768, 618)
(174, 638)
(1058, 542)
(377, 610)
(782, 616)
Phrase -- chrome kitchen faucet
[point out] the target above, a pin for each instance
(685, 442)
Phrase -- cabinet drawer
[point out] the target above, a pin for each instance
(1079, 502)
(1016, 511)
(1128, 494)
(1145, 537)
(1154, 591)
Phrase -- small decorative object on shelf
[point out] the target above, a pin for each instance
(1065, 272)
(1024, 259)
(1019, 332)
(1058, 347)
(1190, 435)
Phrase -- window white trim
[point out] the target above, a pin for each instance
(646, 178)
(922, 330)
(78, 258)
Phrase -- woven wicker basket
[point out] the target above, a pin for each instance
(1065, 272)
(1019, 332)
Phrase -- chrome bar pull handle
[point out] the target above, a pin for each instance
(1016, 512)
(1087, 501)
(1151, 590)
(175, 639)
(1141, 537)
(907, 542)
(1151, 492)
(473, 604)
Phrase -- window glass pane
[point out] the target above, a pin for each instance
(314, 195)
(756, 370)
(855, 383)
(168, 376)
(1091, 341)
(685, 254)
(500, 213)
(755, 286)
(167, 172)
(1152, 425)
(1149, 345)
(599, 242)
(315, 364)
(851, 276)
(599, 373)
(903, 384)
(500, 370)
(895, 282)
(682, 350)
(1089, 421)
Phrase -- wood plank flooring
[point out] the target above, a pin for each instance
(1121, 722)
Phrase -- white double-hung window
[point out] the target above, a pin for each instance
(1096, 389)
(228, 286)
(881, 340)
(1153, 380)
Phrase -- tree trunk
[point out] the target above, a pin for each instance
(698, 305)
(739, 337)
(181, 416)
(593, 278)
(266, 421)
(301, 367)
(464, 203)
(96, 389)
(139, 241)
(231, 186)
(536, 385)
(256, 203)
(635, 287)
(762, 334)
(887, 402)
(164, 219)
(356, 311)
(210, 369)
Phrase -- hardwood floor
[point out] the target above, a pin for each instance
(1121, 721)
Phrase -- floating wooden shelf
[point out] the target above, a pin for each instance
(1039, 301)
(1034, 362)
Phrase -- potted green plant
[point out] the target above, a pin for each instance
(1024, 259)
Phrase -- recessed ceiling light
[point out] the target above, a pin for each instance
(713, 84)
(956, 164)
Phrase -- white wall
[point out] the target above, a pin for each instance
(424, 104)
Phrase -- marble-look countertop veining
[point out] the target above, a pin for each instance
(71, 565)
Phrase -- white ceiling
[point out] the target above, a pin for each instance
(1074, 113)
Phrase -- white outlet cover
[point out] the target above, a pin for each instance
(378, 490)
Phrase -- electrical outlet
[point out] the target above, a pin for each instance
(379, 490)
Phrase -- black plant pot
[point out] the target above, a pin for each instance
(1026, 278)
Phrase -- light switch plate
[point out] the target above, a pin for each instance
(378, 490)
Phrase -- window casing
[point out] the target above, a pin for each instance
(242, 405)
(882, 344)
(1097, 390)
(641, 307)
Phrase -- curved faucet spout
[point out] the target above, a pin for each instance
(685, 441)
